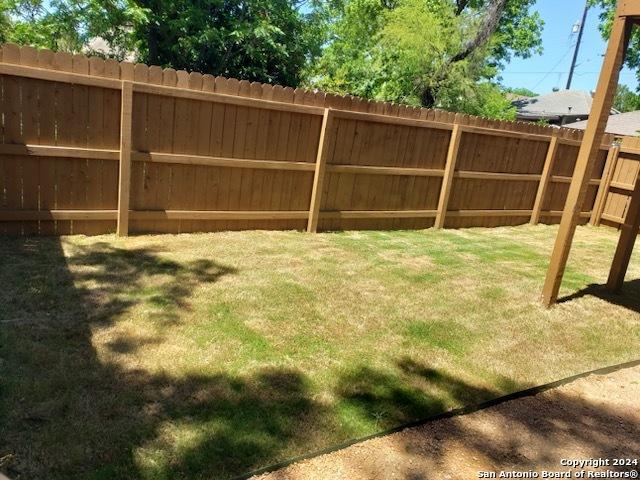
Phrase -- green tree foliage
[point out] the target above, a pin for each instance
(420, 52)
(525, 92)
(69, 25)
(262, 40)
(5, 21)
(252, 39)
(626, 100)
(632, 59)
(485, 99)
(408, 51)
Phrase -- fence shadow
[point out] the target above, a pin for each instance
(629, 296)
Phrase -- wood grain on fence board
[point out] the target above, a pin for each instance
(623, 180)
(543, 186)
(205, 144)
(124, 174)
(605, 185)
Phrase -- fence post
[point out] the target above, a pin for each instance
(605, 184)
(447, 179)
(124, 177)
(324, 149)
(544, 179)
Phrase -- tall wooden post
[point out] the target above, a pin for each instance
(587, 156)
(628, 234)
(124, 179)
(324, 150)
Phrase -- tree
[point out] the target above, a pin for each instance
(258, 40)
(525, 92)
(423, 52)
(69, 25)
(5, 21)
(632, 58)
(626, 100)
(261, 40)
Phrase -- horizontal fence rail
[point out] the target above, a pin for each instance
(620, 180)
(94, 146)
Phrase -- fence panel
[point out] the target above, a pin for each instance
(57, 114)
(174, 169)
(625, 175)
(522, 161)
(381, 167)
(561, 175)
(211, 154)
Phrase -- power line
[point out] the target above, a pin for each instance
(554, 67)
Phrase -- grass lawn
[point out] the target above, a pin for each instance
(208, 355)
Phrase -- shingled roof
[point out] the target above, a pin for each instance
(620, 124)
(554, 106)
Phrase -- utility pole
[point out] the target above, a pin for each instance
(575, 53)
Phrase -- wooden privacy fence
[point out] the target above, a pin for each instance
(620, 180)
(91, 146)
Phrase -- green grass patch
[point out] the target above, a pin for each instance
(209, 355)
(448, 336)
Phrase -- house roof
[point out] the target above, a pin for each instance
(620, 124)
(554, 105)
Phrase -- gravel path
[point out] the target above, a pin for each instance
(594, 417)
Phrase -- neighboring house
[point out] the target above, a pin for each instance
(557, 108)
(620, 124)
(99, 46)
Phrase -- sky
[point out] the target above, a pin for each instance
(541, 73)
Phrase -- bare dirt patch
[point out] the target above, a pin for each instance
(594, 417)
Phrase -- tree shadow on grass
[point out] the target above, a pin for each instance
(628, 297)
(65, 413)
(532, 432)
(412, 391)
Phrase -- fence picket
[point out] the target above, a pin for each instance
(203, 162)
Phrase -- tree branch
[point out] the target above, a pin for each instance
(488, 26)
(461, 5)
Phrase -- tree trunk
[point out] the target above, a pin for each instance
(152, 38)
(428, 97)
(487, 28)
(489, 24)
